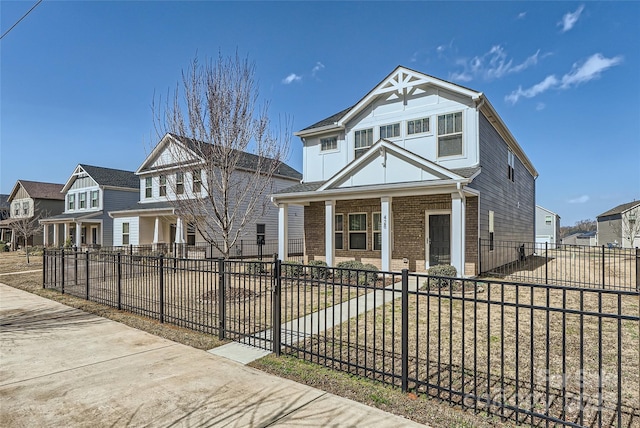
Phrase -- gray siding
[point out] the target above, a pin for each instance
(609, 228)
(114, 200)
(513, 203)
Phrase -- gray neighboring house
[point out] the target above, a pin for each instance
(5, 231)
(29, 199)
(89, 194)
(581, 239)
(620, 226)
(547, 227)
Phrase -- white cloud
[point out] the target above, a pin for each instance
(521, 15)
(291, 78)
(591, 69)
(569, 19)
(540, 106)
(493, 64)
(461, 77)
(579, 200)
(319, 66)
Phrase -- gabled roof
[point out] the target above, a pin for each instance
(248, 161)
(620, 209)
(547, 210)
(109, 177)
(38, 190)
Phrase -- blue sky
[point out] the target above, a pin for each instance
(78, 78)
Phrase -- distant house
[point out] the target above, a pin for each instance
(90, 192)
(620, 226)
(29, 200)
(174, 166)
(547, 227)
(5, 231)
(412, 176)
(581, 239)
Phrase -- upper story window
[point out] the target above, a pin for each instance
(330, 143)
(94, 199)
(16, 209)
(197, 180)
(163, 185)
(148, 187)
(418, 126)
(179, 183)
(72, 202)
(82, 200)
(511, 161)
(25, 208)
(548, 219)
(450, 134)
(390, 131)
(363, 140)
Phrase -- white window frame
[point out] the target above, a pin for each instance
(422, 122)
(376, 229)
(358, 231)
(511, 162)
(447, 135)
(95, 202)
(71, 201)
(179, 183)
(548, 220)
(125, 233)
(16, 209)
(329, 144)
(25, 208)
(82, 201)
(148, 187)
(338, 231)
(196, 176)
(393, 127)
(361, 147)
(162, 187)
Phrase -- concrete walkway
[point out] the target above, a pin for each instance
(60, 366)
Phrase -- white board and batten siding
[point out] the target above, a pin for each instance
(133, 230)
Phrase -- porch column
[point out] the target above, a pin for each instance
(45, 234)
(55, 235)
(283, 231)
(156, 231)
(385, 214)
(329, 232)
(179, 231)
(458, 232)
(78, 233)
(67, 233)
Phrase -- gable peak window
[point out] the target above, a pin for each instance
(450, 134)
(148, 187)
(418, 126)
(390, 131)
(329, 143)
(363, 139)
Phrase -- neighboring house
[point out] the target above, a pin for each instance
(30, 199)
(5, 231)
(581, 239)
(412, 176)
(547, 227)
(154, 219)
(620, 226)
(90, 192)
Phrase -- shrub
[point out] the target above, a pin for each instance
(360, 277)
(4, 246)
(36, 251)
(319, 269)
(254, 267)
(446, 271)
(368, 277)
(291, 269)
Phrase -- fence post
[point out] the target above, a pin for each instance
(546, 262)
(119, 277)
(62, 269)
(405, 329)
(161, 285)
(479, 256)
(276, 302)
(87, 277)
(44, 268)
(637, 269)
(221, 299)
(75, 265)
(603, 274)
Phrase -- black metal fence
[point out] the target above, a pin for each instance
(574, 265)
(532, 354)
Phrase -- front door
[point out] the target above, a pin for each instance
(439, 239)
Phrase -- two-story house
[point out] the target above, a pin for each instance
(547, 228)
(5, 230)
(412, 176)
(29, 201)
(620, 226)
(89, 193)
(174, 171)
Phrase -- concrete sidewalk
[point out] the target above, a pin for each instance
(60, 366)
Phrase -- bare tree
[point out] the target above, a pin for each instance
(232, 151)
(26, 227)
(629, 226)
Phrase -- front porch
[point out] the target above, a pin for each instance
(81, 231)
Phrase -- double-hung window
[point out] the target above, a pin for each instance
(377, 227)
(179, 183)
(72, 202)
(25, 208)
(358, 231)
(163, 185)
(148, 187)
(94, 199)
(418, 126)
(16, 209)
(548, 220)
(82, 201)
(390, 131)
(511, 162)
(330, 143)
(338, 227)
(197, 181)
(450, 134)
(125, 233)
(363, 140)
